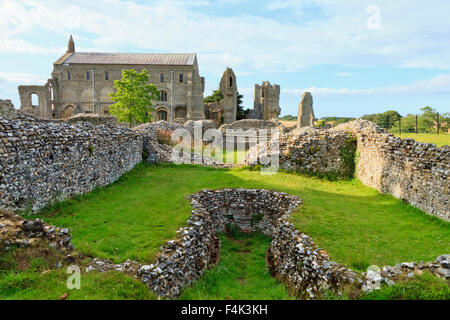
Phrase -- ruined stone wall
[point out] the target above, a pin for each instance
(315, 151)
(418, 173)
(7, 108)
(292, 257)
(42, 162)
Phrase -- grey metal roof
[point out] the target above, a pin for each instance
(178, 59)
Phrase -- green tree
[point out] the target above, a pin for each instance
(216, 96)
(388, 119)
(133, 97)
(241, 112)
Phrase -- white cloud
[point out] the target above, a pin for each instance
(21, 78)
(344, 74)
(437, 85)
(411, 34)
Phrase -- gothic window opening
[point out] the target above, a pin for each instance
(161, 77)
(162, 115)
(88, 75)
(163, 95)
(34, 100)
(69, 75)
(181, 77)
(106, 75)
(231, 82)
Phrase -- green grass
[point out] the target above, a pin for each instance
(439, 140)
(41, 281)
(133, 217)
(424, 287)
(241, 273)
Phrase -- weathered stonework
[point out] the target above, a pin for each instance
(314, 151)
(43, 162)
(293, 257)
(95, 119)
(305, 116)
(81, 82)
(418, 173)
(267, 102)
(7, 109)
(18, 232)
(228, 87)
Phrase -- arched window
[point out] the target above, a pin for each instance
(181, 77)
(34, 100)
(69, 75)
(161, 77)
(88, 75)
(162, 115)
(106, 75)
(231, 82)
(163, 95)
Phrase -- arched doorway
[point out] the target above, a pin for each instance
(68, 112)
(162, 115)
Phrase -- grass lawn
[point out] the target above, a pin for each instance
(439, 140)
(240, 274)
(132, 218)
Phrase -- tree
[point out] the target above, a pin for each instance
(387, 119)
(216, 96)
(133, 97)
(241, 113)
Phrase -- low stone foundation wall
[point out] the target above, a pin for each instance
(43, 162)
(418, 173)
(93, 118)
(315, 151)
(293, 257)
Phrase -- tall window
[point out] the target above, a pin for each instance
(231, 82)
(88, 75)
(181, 77)
(161, 77)
(162, 115)
(106, 75)
(163, 95)
(69, 75)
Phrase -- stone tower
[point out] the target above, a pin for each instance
(228, 87)
(267, 101)
(71, 45)
(305, 111)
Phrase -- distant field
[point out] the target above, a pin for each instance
(439, 140)
(289, 124)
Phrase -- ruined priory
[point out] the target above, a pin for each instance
(81, 82)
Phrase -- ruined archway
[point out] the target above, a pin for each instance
(292, 257)
(68, 112)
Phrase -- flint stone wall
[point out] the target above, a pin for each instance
(318, 151)
(418, 173)
(93, 118)
(293, 257)
(43, 162)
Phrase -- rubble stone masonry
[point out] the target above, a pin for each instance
(43, 162)
(418, 173)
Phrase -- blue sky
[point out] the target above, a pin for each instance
(355, 56)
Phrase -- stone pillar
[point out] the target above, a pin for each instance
(305, 111)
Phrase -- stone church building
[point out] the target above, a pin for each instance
(81, 82)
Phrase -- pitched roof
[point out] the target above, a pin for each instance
(164, 59)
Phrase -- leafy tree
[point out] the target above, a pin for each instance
(241, 112)
(216, 96)
(387, 119)
(288, 118)
(133, 97)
